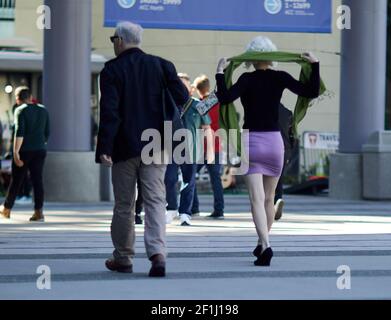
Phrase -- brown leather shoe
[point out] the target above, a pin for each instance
(158, 268)
(37, 216)
(5, 213)
(112, 265)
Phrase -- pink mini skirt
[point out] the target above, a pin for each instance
(265, 153)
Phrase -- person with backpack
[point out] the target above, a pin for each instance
(193, 122)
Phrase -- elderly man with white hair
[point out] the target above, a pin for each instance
(132, 87)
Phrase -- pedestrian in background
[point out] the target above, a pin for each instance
(286, 127)
(193, 121)
(202, 85)
(24, 193)
(32, 131)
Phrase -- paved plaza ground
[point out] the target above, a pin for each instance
(210, 259)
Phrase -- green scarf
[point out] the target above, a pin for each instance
(228, 115)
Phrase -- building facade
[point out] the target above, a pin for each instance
(193, 52)
(197, 52)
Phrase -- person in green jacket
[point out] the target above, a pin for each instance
(29, 151)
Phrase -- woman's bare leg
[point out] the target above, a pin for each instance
(256, 191)
(270, 185)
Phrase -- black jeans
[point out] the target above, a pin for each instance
(33, 162)
(25, 189)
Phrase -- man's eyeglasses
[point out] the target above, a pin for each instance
(112, 39)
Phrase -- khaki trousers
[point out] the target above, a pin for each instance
(124, 179)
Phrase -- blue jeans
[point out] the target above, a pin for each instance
(217, 187)
(187, 194)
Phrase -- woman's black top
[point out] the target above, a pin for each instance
(261, 91)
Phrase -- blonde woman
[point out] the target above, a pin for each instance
(260, 92)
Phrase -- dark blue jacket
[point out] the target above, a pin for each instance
(131, 101)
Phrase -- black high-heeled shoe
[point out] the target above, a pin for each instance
(257, 251)
(265, 258)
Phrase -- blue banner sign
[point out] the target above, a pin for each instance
(312, 16)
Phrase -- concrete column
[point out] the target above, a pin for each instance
(376, 167)
(67, 74)
(363, 93)
(70, 172)
(363, 74)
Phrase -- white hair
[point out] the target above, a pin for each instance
(131, 33)
(261, 44)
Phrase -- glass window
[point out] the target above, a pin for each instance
(7, 10)
(7, 18)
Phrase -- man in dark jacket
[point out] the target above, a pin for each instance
(132, 102)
